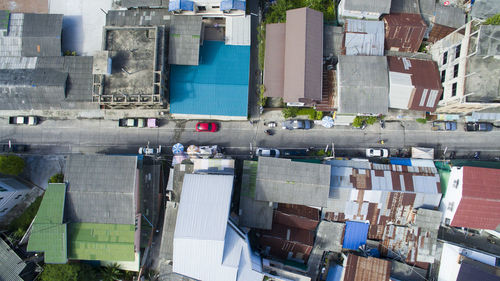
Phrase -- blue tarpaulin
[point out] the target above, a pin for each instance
(400, 161)
(232, 5)
(355, 235)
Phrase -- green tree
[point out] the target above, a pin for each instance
(494, 20)
(60, 272)
(57, 178)
(11, 165)
(22, 222)
(358, 122)
(111, 272)
(289, 112)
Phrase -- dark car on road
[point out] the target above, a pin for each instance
(478, 126)
(296, 124)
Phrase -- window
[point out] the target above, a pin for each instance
(17, 197)
(457, 51)
(445, 57)
(215, 7)
(455, 71)
(447, 221)
(202, 8)
(454, 89)
(1, 198)
(450, 206)
(443, 75)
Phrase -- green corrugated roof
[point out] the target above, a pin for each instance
(105, 242)
(52, 207)
(51, 239)
(249, 178)
(49, 234)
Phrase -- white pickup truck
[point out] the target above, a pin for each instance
(23, 120)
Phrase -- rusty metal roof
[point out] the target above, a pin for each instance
(480, 203)
(366, 269)
(404, 32)
(425, 78)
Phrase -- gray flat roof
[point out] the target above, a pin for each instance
(376, 6)
(489, 40)
(184, 40)
(41, 35)
(101, 188)
(138, 17)
(363, 84)
(405, 6)
(449, 16)
(144, 3)
(287, 181)
(329, 236)
(483, 9)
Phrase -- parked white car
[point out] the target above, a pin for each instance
(267, 152)
(377, 152)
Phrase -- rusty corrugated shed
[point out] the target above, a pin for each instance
(274, 62)
(425, 78)
(366, 269)
(303, 55)
(480, 203)
(404, 32)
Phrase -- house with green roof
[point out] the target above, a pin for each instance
(94, 215)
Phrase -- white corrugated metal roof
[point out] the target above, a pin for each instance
(364, 37)
(400, 90)
(207, 246)
(238, 31)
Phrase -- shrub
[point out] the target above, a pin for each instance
(421, 120)
(370, 120)
(358, 122)
(20, 224)
(307, 111)
(494, 20)
(262, 99)
(261, 39)
(57, 178)
(11, 165)
(289, 112)
(68, 272)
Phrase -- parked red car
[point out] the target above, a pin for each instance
(206, 127)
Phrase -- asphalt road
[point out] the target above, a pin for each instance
(104, 136)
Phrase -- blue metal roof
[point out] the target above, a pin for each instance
(217, 86)
(355, 234)
(232, 4)
(334, 273)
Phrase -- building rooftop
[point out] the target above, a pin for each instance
(449, 16)
(329, 236)
(363, 84)
(480, 203)
(404, 32)
(375, 6)
(303, 55)
(49, 234)
(366, 269)
(274, 61)
(138, 17)
(101, 189)
(144, 3)
(364, 37)
(332, 40)
(286, 181)
(405, 6)
(414, 84)
(483, 9)
(185, 37)
(488, 42)
(355, 235)
(12, 265)
(220, 79)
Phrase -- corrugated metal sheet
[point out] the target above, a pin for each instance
(404, 32)
(363, 84)
(425, 78)
(375, 6)
(303, 55)
(364, 38)
(355, 235)
(12, 265)
(366, 269)
(184, 40)
(238, 30)
(480, 203)
(274, 63)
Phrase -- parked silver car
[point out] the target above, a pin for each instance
(267, 152)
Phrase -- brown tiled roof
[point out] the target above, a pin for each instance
(404, 32)
(274, 63)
